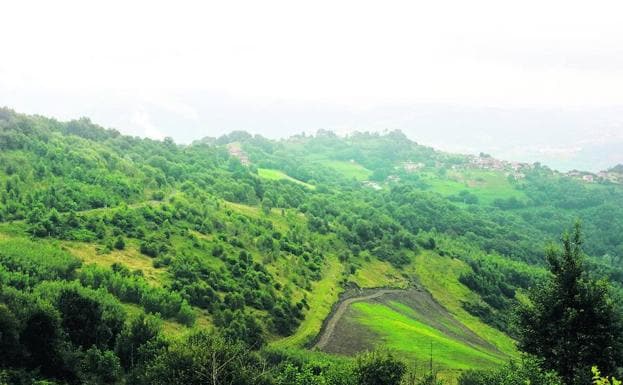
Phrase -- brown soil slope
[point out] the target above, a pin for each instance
(342, 334)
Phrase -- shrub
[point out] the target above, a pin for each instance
(377, 368)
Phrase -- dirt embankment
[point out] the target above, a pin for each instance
(342, 334)
(358, 295)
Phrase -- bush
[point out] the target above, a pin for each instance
(527, 371)
(100, 367)
(119, 243)
(131, 287)
(205, 358)
(599, 380)
(378, 368)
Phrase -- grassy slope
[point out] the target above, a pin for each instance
(405, 334)
(348, 170)
(486, 185)
(322, 297)
(440, 276)
(129, 257)
(272, 174)
(376, 273)
(405, 331)
(325, 292)
(412, 338)
(279, 221)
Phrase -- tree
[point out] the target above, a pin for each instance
(89, 320)
(119, 243)
(132, 344)
(100, 367)
(42, 339)
(267, 205)
(377, 368)
(207, 359)
(9, 336)
(571, 322)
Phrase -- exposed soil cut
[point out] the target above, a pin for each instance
(336, 315)
(342, 334)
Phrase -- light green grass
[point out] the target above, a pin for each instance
(376, 273)
(13, 229)
(412, 338)
(279, 221)
(39, 254)
(321, 299)
(348, 169)
(130, 257)
(486, 185)
(446, 321)
(440, 276)
(272, 174)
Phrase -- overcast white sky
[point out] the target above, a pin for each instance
(191, 69)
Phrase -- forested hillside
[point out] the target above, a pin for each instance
(122, 257)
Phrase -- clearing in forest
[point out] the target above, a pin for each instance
(408, 322)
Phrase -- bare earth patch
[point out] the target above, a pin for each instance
(342, 334)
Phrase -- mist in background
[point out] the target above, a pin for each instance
(530, 81)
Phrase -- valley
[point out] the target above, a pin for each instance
(318, 246)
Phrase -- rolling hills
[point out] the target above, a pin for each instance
(267, 243)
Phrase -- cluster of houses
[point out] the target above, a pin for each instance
(486, 162)
(235, 151)
(517, 170)
(610, 176)
(481, 162)
(409, 166)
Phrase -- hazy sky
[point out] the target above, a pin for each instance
(460, 75)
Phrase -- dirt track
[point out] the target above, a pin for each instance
(334, 318)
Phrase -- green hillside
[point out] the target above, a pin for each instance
(271, 174)
(109, 241)
(348, 169)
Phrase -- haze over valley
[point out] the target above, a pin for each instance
(326, 193)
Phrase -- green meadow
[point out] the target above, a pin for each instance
(272, 174)
(350, 170)
(412, 338)
(486, 185)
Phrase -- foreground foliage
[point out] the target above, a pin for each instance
(527, 371)
(572, 322)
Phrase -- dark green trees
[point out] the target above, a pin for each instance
(84, 321)
(207, 359)
(572, 322)
(138, 341)
(119, 243)
(376, 368)
(9, 335)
